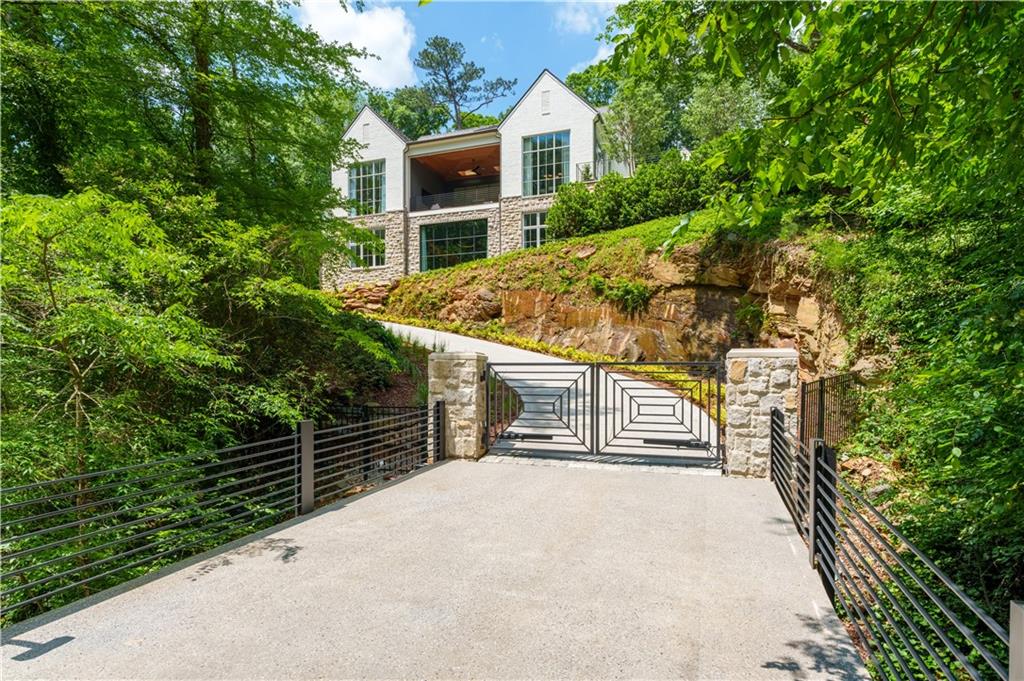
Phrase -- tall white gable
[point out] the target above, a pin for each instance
(548, 106)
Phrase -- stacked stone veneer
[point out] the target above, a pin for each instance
(512, 209)
(402, 237)
(491, 213)
(339, 272)
(757, 380)
(457, 378)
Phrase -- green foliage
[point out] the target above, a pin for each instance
(749, 321)
(455, 83)
(717, 107)
(942, 294)
(234, 100)
(669, 187)
(635, 124)
(410, 109)
(632, 297)
(864, 92)
(572, 213)
(476, 120)
(596, 84)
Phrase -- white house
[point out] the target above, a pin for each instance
(453, 197)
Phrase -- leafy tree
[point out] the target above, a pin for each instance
(411, 110)
(719, 106)
(596, 84)
(475, 120)
(457, 83)
(635, 124)
(925, 85)
(230, 98)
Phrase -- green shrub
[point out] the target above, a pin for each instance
(631, 297)
(615, 202)
(669, 187)
(572, 213)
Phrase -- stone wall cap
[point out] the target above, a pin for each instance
(456, 355)
(746, 353)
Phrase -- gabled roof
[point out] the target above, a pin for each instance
(534, 84)
(456, 133)
(366, 107)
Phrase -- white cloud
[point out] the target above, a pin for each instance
(495, 41)
(603, 52)
(583, 17)
(380, 29)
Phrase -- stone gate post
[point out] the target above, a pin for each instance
(457, 378)
(757, 379)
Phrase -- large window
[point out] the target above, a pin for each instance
(366, 185)
(535, 229)
(370, 254)
(450, 243)
(545, 162)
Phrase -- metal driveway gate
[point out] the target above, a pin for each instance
(669, 409)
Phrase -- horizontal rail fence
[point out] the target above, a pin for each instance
(829, 409)
(67, 538)
(909, 617)
(371, 445)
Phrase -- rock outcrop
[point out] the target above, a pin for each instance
(703, 303)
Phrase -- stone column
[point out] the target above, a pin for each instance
(757, 379)
(456, 378)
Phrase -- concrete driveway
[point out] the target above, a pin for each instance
(479, 570)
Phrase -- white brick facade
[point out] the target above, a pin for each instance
(548, 106)
(566, 112)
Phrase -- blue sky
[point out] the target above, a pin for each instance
(508, 39)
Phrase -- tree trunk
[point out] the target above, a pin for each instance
(200, 99)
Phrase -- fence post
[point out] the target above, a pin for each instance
(459, 379)
(306, 466)
(757, 379)
(812, 503)
(820, 433)
(439, 431)
(1017, 641)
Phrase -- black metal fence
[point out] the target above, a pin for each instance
(67, 538)
(828, 409)
(910, 619)
(466, 196)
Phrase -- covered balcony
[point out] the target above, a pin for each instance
(454, 179)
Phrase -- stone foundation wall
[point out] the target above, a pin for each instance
(757, 379)
(512, 209)
(337, 273)
(492, 214)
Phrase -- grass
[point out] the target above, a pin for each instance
(564, 267)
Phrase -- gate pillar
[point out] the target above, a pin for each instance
(757, 379)
(458, 379)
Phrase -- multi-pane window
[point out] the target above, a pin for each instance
(450, 243)
(366, 185)
(370, 254)
(545, 162)
(535, 229)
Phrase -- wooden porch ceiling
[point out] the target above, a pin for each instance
(484, 161)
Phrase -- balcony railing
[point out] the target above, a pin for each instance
(469, 196)
(586, 172)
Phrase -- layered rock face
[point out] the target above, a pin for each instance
(699, 310)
